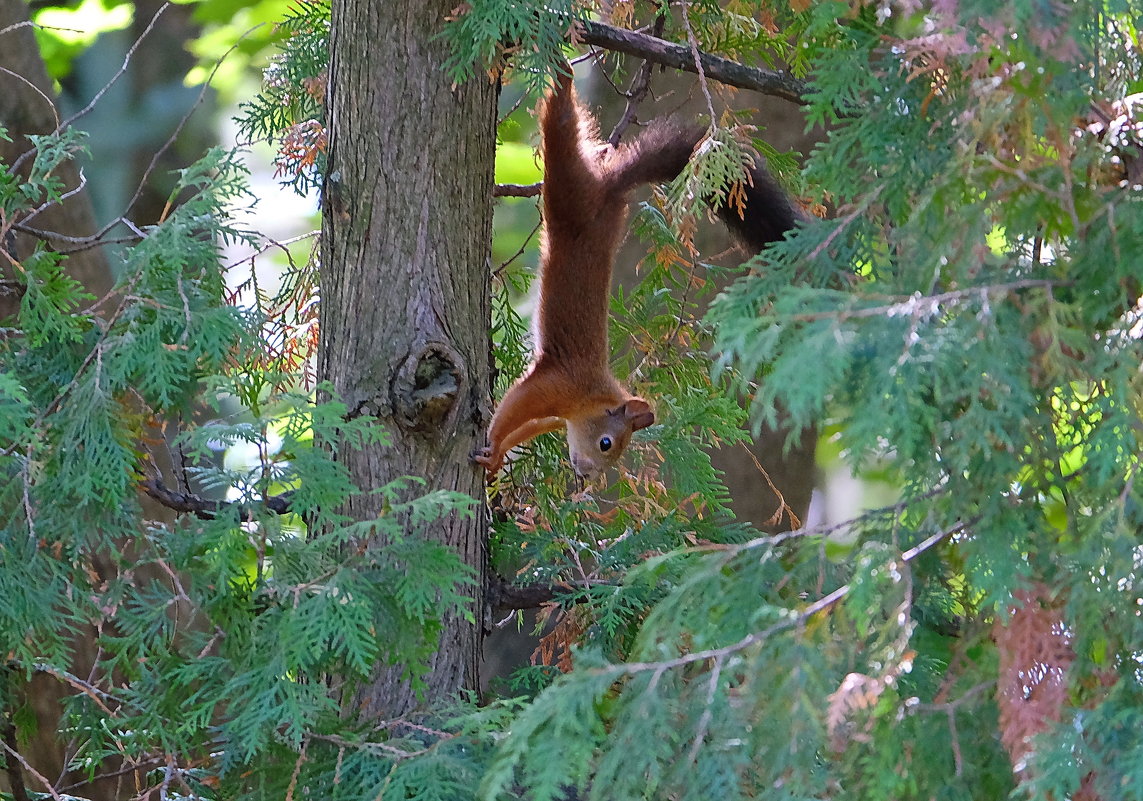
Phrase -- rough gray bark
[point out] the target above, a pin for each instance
(407, 213)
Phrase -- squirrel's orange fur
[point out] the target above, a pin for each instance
(587, 185)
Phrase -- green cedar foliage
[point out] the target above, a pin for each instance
(489, 34)
(290, 110)
(967, 321)
(229, 637)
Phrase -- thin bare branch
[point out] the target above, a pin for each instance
(178, 129)
(121, 71)
(520, 251)
(41, 778)
(47, 204)
(638, 90)
(35, 88)
(696, 59)
(98, 696)
(81, 242)
(275, 244)
(517, 190)
(793, 621)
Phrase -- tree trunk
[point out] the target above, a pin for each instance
(27, 107)
(407, 210)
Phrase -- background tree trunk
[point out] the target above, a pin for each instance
(792, 472)
(407, 213)
(27, 107)
(152, 94)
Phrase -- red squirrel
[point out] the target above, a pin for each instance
(587, 186)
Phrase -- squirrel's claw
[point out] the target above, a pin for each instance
(485, 458)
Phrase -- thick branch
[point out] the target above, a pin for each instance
(669, 54)
(502, 594)
(659, 51)
(11, 764)
(205, 509)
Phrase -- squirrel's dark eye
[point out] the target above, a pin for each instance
(605, 444)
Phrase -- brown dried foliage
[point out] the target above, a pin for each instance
(301, 146)
(1035, 654)
(849, 717)
(555, 647)
(1035, 649)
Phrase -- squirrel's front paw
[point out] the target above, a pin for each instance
(488, 460)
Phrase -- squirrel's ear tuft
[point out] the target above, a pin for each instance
(638, 413)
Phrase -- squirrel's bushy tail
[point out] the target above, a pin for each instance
(657, 155)
(661, 152)
(767, 214)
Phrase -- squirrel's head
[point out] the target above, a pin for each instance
(596, 442)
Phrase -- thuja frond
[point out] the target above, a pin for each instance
(290, 111)
(711, 178)
(224, 631)
(484, 33)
